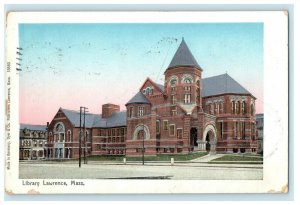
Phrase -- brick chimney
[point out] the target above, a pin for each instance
(108, 109)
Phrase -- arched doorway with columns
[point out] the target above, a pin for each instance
(209, 139)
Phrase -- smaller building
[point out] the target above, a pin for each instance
(260, 132)
(33, 141)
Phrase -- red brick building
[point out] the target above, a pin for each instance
(186, 114)
(189, 113)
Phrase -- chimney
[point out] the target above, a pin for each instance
(108, 109)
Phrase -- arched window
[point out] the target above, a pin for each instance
(244, 107)
(173, 82)
(141, 134)
(149, 91)
(232, 107)
(187, 81)
(238, 107)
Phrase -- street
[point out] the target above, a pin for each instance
(157, 170)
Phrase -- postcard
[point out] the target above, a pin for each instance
(146, 102)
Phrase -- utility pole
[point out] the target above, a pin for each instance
(143, 151)
(85, 136)
(80, 134)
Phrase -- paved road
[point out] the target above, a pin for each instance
(192, 170)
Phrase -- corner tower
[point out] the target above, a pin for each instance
(183, 80)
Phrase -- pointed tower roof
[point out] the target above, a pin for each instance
(183, 57)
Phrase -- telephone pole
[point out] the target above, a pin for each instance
(85, 136)
(80, 134)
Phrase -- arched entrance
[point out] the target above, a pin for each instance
(209, 139)
(193, 138)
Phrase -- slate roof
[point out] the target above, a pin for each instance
(221, 84)
(162, 87)
(33, 127)
(183, 57)
(138, 98)
(96, 120)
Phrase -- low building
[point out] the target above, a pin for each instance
(33, 142)
(260, 132)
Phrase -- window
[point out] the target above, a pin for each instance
(130, 114)
(113, 132)
(211, 109)
(187, 81)
(235, 124)
(244, 111)
(166, 124)
(172, 130)
(173, 99)
(187, 98)
(238, 107)
(69, 136)
(252, 109)
(157, 126)
(109, 132)
(243, 130)
(141, 134)
(118, 131)
(141, 111)
(149, 91)
(253, 130)
(173, 89)
(179, 133)
(232, 107)
(173, 82)
(187, 88)
(174, 112)
(221, 129)
(122, 131)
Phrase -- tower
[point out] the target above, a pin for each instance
(183, 80)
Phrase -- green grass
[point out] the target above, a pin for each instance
(160, 157)
(233, 158)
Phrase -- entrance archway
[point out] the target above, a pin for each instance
(209, 138)
(193, 137)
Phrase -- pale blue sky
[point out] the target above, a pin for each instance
(68, 65)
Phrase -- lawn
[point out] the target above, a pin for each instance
(233, 158)
(159, 157)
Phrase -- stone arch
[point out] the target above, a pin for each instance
(210, 138)
(139, 128)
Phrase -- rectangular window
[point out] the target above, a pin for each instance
(235, 124)
(243, 130)
(187, 98)
(122, 131)
(157, 126)
(172, 130)
(113, 132)
(174, 112)
(166, 124)
(173, 99)
(109, 132)
(130, 114)
(141, 111)
(221, 129)
(118, 131)
(187, 88)
(179, 133)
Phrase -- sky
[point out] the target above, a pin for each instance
(73, 65)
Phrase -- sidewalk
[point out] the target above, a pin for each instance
(207, 158)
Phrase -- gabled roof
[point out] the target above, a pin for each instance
(139, 98)
(183, 57)
(95, 120)
(74, 117)
(158, 86)
(221, 84)
(33, 127)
